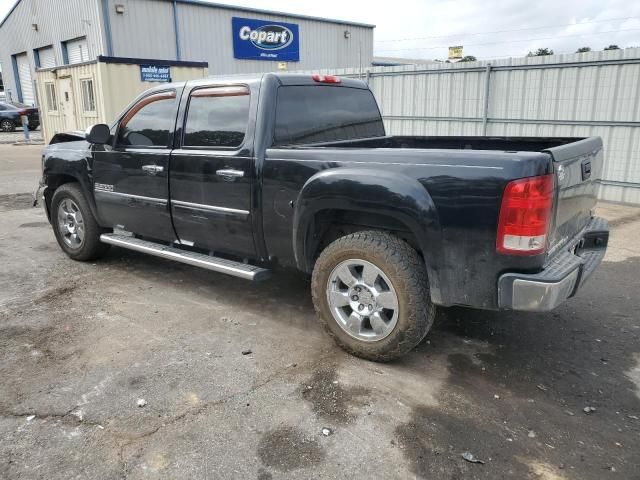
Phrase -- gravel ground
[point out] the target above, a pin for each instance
(82, 343)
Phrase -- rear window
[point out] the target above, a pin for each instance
(314, 114)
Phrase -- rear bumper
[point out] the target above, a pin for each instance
(561, 278)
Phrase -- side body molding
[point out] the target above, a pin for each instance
(367, 190)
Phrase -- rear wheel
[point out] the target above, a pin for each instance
(7, 125)
(370, 290)
(74, 225)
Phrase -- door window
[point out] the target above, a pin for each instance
(149, 122)
(217, 117)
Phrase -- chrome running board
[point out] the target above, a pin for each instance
(216, 264)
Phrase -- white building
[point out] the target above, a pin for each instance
(48, 33)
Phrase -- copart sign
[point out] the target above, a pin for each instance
(265, 40)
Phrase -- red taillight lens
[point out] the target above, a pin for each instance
(325, 78)
(525, 215)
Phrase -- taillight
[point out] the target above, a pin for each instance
(23, 112)
(525, 215)
(325, 78)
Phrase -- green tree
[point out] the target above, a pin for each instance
(468, 58)
(540, 52)
(612, 47)
(583, 50)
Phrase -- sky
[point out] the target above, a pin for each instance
(487, 29)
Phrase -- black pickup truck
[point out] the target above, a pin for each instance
(238, 174)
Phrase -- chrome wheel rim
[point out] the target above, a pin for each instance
(70, 223)
(6, 126)
(362, 300)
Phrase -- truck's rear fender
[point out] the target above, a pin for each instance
(373, 194)
(68, 162)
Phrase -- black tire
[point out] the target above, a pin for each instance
(7, 125)
(407, 272)
(91, 246)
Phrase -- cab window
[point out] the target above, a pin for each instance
(149, 122)
(217, 117)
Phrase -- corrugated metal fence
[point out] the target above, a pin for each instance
(577, 95)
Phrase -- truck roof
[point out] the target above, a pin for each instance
(283, 78)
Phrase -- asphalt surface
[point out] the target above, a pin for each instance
(82, 343)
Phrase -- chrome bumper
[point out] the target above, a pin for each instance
(561, 278)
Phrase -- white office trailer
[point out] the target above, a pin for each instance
(74, 97)
(46, 34)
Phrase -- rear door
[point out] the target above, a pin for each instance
(212, 171)
(131, 175)
(578, 166)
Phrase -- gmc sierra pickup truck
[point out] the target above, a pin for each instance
(238, 174)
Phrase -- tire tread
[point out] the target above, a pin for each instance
(408, 265)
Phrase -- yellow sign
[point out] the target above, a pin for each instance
(455, 52)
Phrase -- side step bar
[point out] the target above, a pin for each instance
(221, 265)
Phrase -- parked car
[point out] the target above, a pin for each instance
(10, 113)
(235, 175)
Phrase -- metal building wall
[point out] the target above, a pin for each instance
(146, 30)
(57, 21)
(576, 95)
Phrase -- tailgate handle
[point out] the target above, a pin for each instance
(586, 169)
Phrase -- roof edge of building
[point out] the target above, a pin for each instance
(151, 61)
(243, 9)
(9, 13)
(273, 12)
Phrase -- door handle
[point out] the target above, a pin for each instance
(229, 174)
(152, 169)
(586, 169)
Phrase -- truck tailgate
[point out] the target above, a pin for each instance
(578, 165)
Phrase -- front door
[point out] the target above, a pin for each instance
(66, 104)
(131, 174)
(212, 172)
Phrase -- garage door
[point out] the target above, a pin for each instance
(77, 51)
(24, 77)
(47, 57)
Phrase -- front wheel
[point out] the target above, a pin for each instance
(74, 225)
(371, 292)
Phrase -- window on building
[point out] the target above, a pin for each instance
(149, 122)
(315, 114)
(52, 101)
(217, 117)
(88, 97)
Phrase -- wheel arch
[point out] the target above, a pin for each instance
(346, 200)
(53, 181)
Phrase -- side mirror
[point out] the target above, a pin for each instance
(98, 134)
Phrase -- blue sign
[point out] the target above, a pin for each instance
(155, 73)
(265, 40)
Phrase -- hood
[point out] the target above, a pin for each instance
(73, 136)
